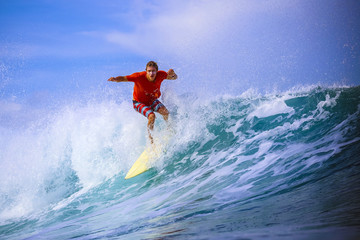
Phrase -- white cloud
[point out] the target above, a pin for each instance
(196, 30)
(9, 107)
(176, 27)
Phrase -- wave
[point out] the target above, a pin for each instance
(235, 164)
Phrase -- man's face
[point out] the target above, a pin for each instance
(151, 73)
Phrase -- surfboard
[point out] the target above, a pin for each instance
(150, 154)
(142, 164)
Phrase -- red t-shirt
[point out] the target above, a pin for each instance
(145, 91)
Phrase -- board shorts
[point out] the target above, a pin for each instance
(147, 110)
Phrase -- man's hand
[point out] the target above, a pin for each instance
(171, 74)
(118, 79)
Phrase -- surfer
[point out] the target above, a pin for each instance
(147, 91)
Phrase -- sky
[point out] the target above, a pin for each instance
(54, 48)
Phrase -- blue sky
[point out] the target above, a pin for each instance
(60, 47)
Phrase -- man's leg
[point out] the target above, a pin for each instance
(150, 125)
(160, 108)
(157, 106)
(164, 112)
(151, 121)
(147, 112)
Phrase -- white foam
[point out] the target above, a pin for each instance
(91, 142)
(271, 107)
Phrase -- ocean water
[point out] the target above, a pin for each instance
(254, 166)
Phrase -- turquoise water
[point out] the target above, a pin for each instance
(253, 166)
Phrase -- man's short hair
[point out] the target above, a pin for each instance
(152, 64)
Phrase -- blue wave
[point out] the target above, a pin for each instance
(279, 166)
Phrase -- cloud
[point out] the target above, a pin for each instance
(212, 40)
(192, 30)
(176, 27)
(9, 107)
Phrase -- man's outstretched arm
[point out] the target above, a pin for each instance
(118, 79)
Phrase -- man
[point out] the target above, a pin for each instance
(147, 91)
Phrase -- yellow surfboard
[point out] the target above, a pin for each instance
(143, 163)
(151, 153)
